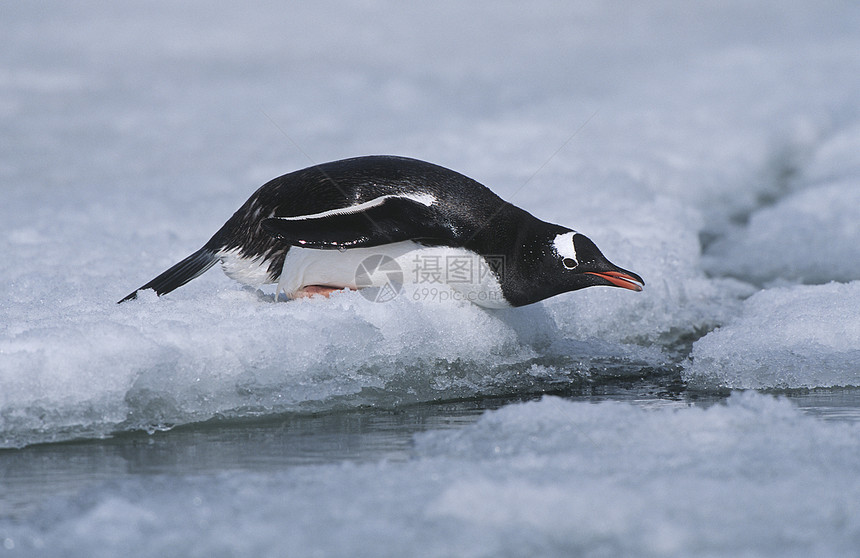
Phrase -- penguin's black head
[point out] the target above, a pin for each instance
(580, 264)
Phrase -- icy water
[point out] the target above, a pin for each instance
(41, 472)
(269, 444)
(139, 493)
(272, 443)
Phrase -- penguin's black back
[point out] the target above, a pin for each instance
(463, 206)
(352, 181)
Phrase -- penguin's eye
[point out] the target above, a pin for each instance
(569, 263)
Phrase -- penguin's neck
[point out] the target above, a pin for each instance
(525, 243)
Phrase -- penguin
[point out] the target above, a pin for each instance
(359, 222)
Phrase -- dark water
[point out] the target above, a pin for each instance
(34, 474)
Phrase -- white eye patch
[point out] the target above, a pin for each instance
(563, 245)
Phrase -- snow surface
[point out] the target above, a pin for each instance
(713, 148)
(752, 477)
(809, 236)
(812, 339)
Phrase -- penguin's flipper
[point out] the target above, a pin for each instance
(186, 270)
(383, 220)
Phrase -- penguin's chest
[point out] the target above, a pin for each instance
(408, 269)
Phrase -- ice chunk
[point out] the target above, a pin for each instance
(790, 337)
(812, 236)
(94, 367)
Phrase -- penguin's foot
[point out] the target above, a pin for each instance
(313, 290)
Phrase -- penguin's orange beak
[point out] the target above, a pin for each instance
(624, 279)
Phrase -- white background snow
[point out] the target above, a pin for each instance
(712, 147)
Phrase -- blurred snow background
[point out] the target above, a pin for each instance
(714, 148)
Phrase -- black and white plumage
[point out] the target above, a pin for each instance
(310, 229)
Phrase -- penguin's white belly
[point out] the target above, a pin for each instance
(436, 273)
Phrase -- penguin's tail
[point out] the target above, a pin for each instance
(186, 270)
